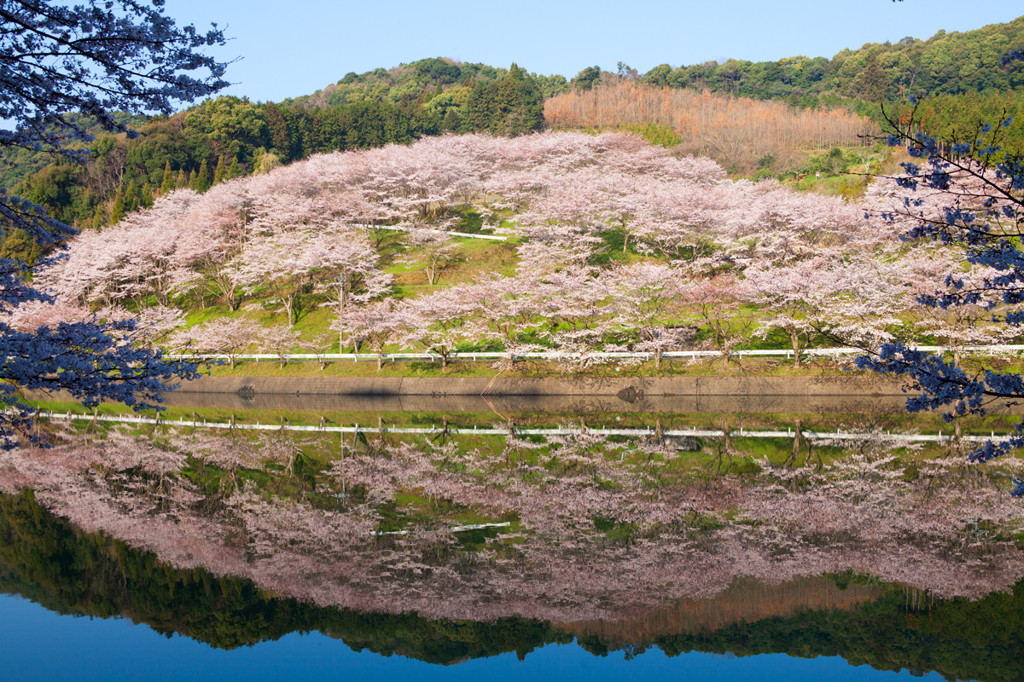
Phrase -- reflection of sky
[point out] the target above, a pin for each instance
(40, 645)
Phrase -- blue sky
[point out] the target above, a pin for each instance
(295, 47)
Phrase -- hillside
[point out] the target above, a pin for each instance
(230, 137)
(611, 245)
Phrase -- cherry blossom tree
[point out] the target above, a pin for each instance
(377, 324)
(434, 251)
(647, 297)
(321, 344)
(506, 310)
(718, 302)
(222, 336)
(793, 296)
(575, 300)
(438, 320)
(350, 273)
(283, 264)
(959, 326)
(279, 340)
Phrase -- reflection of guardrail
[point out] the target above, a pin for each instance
(556, 356)
(453, 529)
(644, 432)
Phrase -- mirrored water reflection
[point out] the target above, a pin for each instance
(631, 533)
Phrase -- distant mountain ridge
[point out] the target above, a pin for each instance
(948, 63)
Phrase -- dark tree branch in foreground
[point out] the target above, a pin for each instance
(983, 188)
(60, 66)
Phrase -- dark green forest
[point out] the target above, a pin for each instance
(230, 136)
(45, 559)
(945, 64)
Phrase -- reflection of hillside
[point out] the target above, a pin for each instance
(594, 529)
(822, 395)
(745, 601)
(48, 560)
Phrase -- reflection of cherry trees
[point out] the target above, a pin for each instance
(597, 529)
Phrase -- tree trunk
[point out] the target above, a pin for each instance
(794, 337)
(796, 442)
(289, 306)
(342, 300)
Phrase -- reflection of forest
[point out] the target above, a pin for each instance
(744, 601)
(48, 560)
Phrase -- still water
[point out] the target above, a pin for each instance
(41, 645)
(511, 545)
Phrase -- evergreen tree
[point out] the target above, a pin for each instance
(117, 210)
(201, 181)
(182, 180)
(99, 218)
(131, 197)
(220, 174)
(167, 183)
(277, 125)
(235, 170)
(146, 196)
(312, 138)
(18, 246)
(452, 122)
(873, 83)
(517, 105)
(479, 109)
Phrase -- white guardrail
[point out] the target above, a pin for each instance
(554, 356)
(469, 235)
(643, 432)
